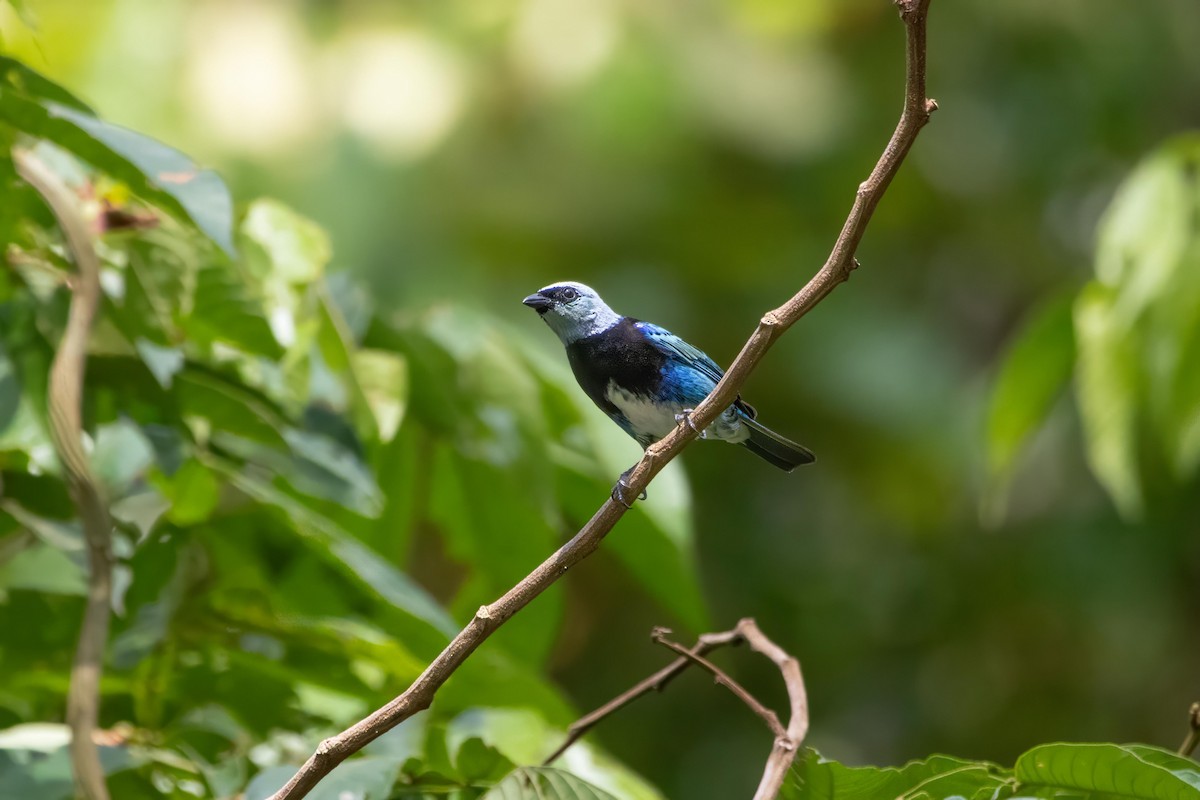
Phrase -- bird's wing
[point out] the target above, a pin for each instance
(690, 356)
(677, 348)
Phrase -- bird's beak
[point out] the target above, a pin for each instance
(538, 303)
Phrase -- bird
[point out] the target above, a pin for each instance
(647, 379)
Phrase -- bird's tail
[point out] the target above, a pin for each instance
(773, 448)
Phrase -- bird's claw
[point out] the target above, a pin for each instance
(686, 416)
(618, 492)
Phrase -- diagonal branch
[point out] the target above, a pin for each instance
(722, 678)
(655, 683)
(787, 740)
(65, 401)
(917, 110)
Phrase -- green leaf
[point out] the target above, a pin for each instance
(193, 492)
(121, 455)
(163, 362)
(34, 84)
(383, 380)
(226, 404)
(43, 568)
(544, 783)
(298, 248)
(153, 170)
(1136, 772)
(1108, 389)
(357, 560)
(1035, 371)
(225, 310)
(368, 778)
(1145, 230)
(522, 736)
(816, 778)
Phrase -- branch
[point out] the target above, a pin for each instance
(65, 400)
(655, 683)
(768, 716)
(787, 740)
(783, 753)
(1193, 738)
(418, 696)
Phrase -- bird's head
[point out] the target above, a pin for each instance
(572, 310)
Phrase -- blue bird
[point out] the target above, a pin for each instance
(647, 379)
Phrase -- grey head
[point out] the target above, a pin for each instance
(572, 310)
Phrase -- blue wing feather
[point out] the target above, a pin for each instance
(690, 374)
(678, 350)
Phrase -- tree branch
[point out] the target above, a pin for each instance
(917, 109)
(65, 401)
(655, 683)
(719, 675)
(783, 753)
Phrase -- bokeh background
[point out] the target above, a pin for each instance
(694, 162)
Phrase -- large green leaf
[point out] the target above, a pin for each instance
(298, 249)
(158, 173)
(356, 559)
(544, 783)
(1108, 395)
(32, 83)
(1035, 371)
(816, 778)
(1136, 772)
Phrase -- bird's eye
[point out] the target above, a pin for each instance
(569, 294)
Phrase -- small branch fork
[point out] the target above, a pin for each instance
(841, 261)
(787, 740)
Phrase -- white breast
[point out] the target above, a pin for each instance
(643, 415)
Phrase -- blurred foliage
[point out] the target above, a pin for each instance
(245, 414)
(327, 449)
(1134, 343)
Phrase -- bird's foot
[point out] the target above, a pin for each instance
(621, 489)
(686, 416)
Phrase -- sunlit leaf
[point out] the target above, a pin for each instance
(192, 491)
(1137, 772)
(155, 171)
(34, 84)
(1035, 371)
(1107, 390)
(544, 783)
(817, 778)
(298, 248)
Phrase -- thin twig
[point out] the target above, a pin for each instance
(65, 401)
(655, 683)
(418, 696)
(1193, 738)
(722, 678)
